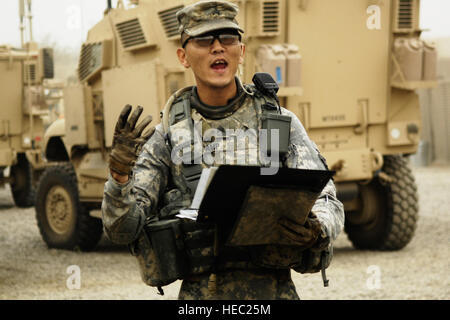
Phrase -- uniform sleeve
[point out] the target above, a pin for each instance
(304, 154)
(125, 206)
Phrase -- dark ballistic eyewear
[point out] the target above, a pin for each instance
(206, 41)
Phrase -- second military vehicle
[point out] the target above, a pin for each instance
(24, 101)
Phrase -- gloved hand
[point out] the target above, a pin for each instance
(313, 260)
(128, 140)
(306, 235)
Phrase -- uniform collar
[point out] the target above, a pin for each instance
(219, 112)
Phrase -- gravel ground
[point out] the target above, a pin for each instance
(29, 270)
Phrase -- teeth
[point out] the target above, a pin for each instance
(219, 62)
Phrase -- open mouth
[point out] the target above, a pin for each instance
(219, 64)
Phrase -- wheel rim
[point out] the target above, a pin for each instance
(59, 210)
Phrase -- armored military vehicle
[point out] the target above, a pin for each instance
(348, 69)
(23, 100)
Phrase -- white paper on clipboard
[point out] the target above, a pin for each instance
(203, 183)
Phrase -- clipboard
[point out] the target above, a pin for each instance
(238, 199)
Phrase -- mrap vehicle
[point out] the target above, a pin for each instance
(348, 69)
(24, 103)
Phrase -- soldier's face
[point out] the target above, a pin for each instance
(214, 65)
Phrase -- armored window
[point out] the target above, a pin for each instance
(47, 63)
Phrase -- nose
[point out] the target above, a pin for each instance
(217, 47)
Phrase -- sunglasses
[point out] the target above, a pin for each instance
(206, 41)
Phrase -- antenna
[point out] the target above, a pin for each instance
(21, 15)
(30, 18)
(25, 12)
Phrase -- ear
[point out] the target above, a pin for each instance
(241, 58)
(181, 53)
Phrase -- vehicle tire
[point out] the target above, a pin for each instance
(22, 186)
(390, 210)
(63, 221)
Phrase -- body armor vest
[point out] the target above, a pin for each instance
(195, 253)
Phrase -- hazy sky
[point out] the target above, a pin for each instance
(67, 21)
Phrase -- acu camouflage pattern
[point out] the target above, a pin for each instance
(149, 269)
(241, 285)
(125, 206)
(207, 16)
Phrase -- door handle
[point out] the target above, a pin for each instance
(361, 127)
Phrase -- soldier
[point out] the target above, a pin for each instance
(146, 184)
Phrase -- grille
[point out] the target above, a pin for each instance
(90, 60)
(131, 33)
(169, 21)
(30, 72)
(405, 14)
(271, 16)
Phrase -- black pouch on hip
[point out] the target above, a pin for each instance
(166, 239)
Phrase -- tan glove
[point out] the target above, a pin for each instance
(128, 140)
(305, 235)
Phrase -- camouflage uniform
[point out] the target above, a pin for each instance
(126, 206)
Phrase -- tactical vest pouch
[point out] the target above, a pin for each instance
(148, 267)
(167, 241)
(168, 250)
(270, 121)
(160, 253)
(276, 256)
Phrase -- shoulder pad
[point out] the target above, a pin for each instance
(174, 99)
(261, 95)
(180, 110)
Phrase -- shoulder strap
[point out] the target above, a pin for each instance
(178, 108)
(169, 105)
(267, 103)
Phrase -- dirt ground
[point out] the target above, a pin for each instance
(29, 270)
